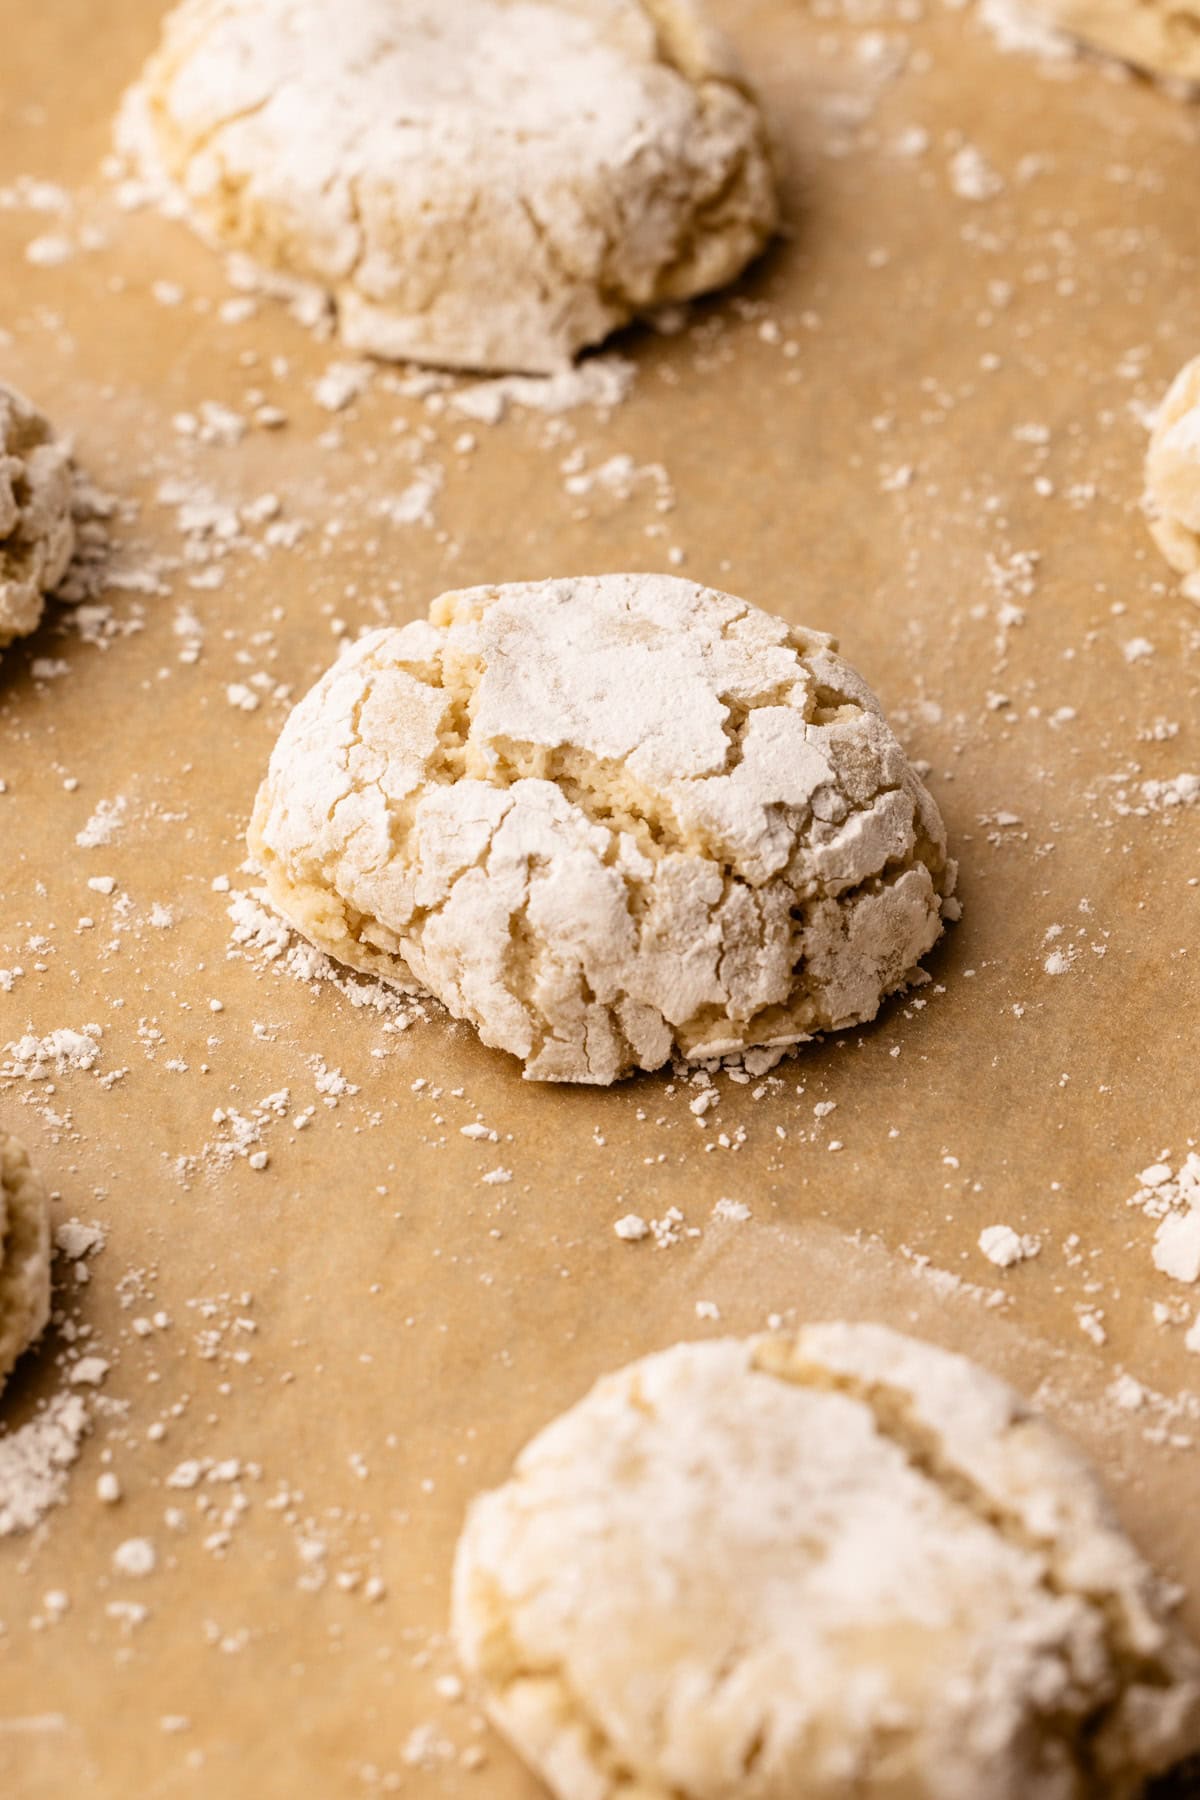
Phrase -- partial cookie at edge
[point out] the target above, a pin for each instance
(1161, 37)
(37, 531)
(838, 1562)
(1172, 499)
(24, 1254)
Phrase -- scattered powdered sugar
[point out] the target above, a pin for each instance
(30, 193)
(1145, 798)
(1177, 1245)
(330, 1083)
(50, 251)
(104, 824)
(413, 505)
(135, 1556)
(1173, 1199)
(1164, 1413)
(31, 1058)
(972, 177)
(670, 1229)
(735, 1211)
(1004, 1247)
(76, 1240)
(259, 932)
(946, 1284)
(238, 1137)
(341, 384)
(618, 477)
(599, 381)
(34, 1461)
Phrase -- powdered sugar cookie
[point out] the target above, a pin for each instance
(607, 818)
(835, 1564)
(492, 184)
(1173, 477)
(37, 533)
(24, 1254)
(1160, 36)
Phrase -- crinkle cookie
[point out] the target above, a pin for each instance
(834, 1565)
(1160, 36)
(488, 184)
(24, 1254)
(1173, 477)
(604, 819)
(37, 532)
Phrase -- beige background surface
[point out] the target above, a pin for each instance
(412, 1325)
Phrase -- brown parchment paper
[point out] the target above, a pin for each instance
(918, 423)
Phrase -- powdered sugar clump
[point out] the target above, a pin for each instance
(1173, 1198)
(34, 1462)
(1004, 1247)
(32, 1058)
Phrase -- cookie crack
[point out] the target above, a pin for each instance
(208, 139)
(925, 1452)
(588, 782)
(548, 245)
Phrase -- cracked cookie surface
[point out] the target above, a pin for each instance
(24, 1254)
(833, 1563)
(492, 184)
(1173, 477)
(606, 819)
(37, 531)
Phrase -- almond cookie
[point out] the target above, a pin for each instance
(37, 532)
(606, 819)
(491, 184)
(1173, 477)
(837, 1564)
(24, 1254)
(1159, 36)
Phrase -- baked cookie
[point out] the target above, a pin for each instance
(24, 1254)
(491, 184)
(1173, 476)
(37, 531)
(838, 1564)
(1160, 36)
(604, 819)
